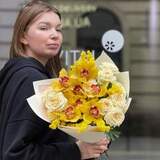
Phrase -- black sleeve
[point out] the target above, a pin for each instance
(20, 144)
(24, 128)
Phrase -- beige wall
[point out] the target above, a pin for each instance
(8, 13)
(144, 62)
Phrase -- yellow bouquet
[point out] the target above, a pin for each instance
(87, 101)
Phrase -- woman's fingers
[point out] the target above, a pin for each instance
(92, 150)
(100, 147)
(104, 141)
(95, 155)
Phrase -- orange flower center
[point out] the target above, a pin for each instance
(95, 88)
(94, 111)
(64, 80)
(84, 72)
(69, 112)
(78, 101)
(77, 89)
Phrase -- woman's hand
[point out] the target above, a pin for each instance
(92, 150)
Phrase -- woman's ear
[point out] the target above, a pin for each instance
(23, 39)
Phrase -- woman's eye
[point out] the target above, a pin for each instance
(44, 28)
(59, 30)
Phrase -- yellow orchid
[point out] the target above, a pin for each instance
(93, 90)
(73, 98)
(76, 86)
(53, 115)
(55, 119)
(85, 68)
(115, 88)
(55, 123)
(93, 112)
(101, 126)
(62, 82)
(70, 114)
(82, 126)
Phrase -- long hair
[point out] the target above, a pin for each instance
(26, 17)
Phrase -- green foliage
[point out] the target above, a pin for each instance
(113, 134)
(109, 85)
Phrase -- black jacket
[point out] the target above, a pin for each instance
(23, 135)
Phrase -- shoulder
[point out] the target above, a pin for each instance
(30, 73)
(23, 67)
(20, 73)
(23, 79)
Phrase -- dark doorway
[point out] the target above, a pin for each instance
(101, 21)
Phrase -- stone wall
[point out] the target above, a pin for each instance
(8, 13)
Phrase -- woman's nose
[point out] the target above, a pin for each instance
(53, 34)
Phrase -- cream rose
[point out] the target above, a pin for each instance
(106, 72)
(118, 100)
(54, 101)
(114, 117)
(114, 101)
(108, 105)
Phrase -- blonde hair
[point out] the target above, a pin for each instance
(25, 18)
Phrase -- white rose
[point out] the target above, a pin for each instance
(118, 100)
(106, 72)
(54, 101)
(114, 117)
(109, 66)
(108, 105)
(105, 76)
(114, 101)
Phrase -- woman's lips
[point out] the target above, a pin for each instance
(53, 46)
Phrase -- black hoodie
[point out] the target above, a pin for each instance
(23, 135)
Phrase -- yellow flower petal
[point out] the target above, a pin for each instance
(54, 124)
(85, 68)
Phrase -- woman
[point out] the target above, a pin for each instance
(36, 42)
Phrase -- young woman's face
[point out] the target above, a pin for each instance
(43, 38)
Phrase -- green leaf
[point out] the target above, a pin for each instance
(113, 134)
(109, 85)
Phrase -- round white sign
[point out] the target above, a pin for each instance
(112, 41)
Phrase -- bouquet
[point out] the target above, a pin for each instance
(88, 101)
